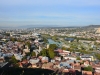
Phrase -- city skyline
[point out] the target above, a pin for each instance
(49, 12)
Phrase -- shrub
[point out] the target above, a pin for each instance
(78, 58)
(89, 68)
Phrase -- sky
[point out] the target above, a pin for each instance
(49, 12)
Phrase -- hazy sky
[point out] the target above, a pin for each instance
(49, 12)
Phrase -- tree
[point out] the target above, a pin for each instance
(55, 38)
(25, 57)
(51, 53)
(70, 49)
(28, 44)
(45, 40)
(91, 49)
(78, 58)
(33, 54)
(53, 46)
(63, 48)
(89, 68)
(13, 60)
(44, 52)
(97, 56)
(7, 34)
(20, 40)
(13, 39)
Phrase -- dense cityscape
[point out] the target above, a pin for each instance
(49, 37)
(60, 50)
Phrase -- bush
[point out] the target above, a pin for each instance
(33, 54)
(89, 68)
(13, 60)
(78, 58)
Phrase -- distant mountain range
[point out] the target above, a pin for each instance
(93, 26)
(46, 26)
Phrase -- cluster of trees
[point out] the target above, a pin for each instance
(88, 68)
(90, 39)
(14, 62)
(28, 44)
(79, 50)
(16, 39)
(78, 58)
(6, 34)
(97, 56)
(50, 51)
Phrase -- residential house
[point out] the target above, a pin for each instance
(34, 61)
(87, 57)
(44, 59)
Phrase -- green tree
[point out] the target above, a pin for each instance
(55, 38)
(89, 68)
(63, 48)
(91, 49)
(51, 53)
(45, 40)
(78, 58)
(28, 44)
(13, 60)
(44, 52)
(33, 54)
(20, 40)
(53, 46)
(25, 57)
(70, 49)
(97, 56)
(7, 34)
(28, 54)
(13, 39)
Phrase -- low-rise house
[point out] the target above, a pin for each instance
(36, 41)
(86, 41)
(86, 72)
(47, 65)
(44, 66)
(77, 67)
(8, 55)
(97, 69)
(64, 64)
(26, 50)
(1, 54)
(18, 57)
(57, 58)
(77, 53)
(33, 61)
(20, 64)
(36, 51)
(1, 60)
(86, 63)
(72, 58)
(3, 39)
(69, 39)
(70, 61)
(44, 59)
(57, 65)
(52, 60)
(58, 51)
(23, 64)
(34, 66)
(87, 57)
(62, 52)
